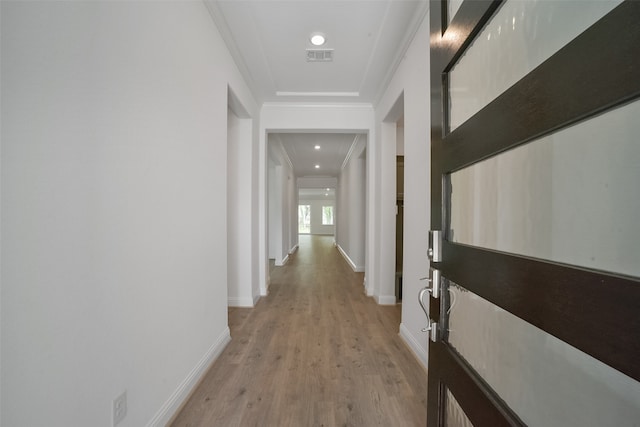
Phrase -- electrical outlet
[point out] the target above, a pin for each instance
(119, 408)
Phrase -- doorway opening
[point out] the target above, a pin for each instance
(316, 185)
(304, 219)
(316, 210)
(393, 158)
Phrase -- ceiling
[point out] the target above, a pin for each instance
(268, 40)
(300, 148)
(317, 193)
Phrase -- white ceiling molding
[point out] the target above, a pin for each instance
(404, 46)
(269, 41)
(235, 104)
(262, 50)
(286, 156)
(375, 48)
(355, 106)
(275, 138)
(223, 28)
(319, 94)
(351, 149)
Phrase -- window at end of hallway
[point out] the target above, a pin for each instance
(327, 215)
(304, 219)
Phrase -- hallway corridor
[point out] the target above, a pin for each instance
(315, 352)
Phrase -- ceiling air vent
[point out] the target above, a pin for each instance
(319, 55)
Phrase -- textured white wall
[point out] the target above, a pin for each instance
(113, 232)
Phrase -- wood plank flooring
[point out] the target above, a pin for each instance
(315, 352)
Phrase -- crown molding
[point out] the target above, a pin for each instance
(351, 150)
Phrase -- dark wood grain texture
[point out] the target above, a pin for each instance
(481, 405)
(583, 308)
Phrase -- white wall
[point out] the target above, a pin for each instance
(239, 259)
(274, 211)
(384, 290)
(113, 234)
(275, 117)
(316, 182)
(316, 214)
(412, 79)
(351, 211)
(276, 214)
(292, 204)
(290, 215)
(400, 140)
(282, 205)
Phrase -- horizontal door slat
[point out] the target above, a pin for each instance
(592, 311)
(481, 405)
(598, 70)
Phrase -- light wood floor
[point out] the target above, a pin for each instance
(315, 352)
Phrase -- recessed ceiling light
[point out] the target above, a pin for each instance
(328, 189)
(317, 147)
(326, 194)
(317, 166)
(317, 39)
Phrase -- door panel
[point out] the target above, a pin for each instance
(532, 369)
(530, 32)
(532, 186)
(564, 197)
(454, 415)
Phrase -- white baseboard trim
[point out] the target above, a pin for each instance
(293, 249)
(386, 299)
(177, 399)
(283, 262)
(256, 298)
(369, 292)
(241, 301)
(354, 267)
(414, 345)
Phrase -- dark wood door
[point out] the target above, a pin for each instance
(588, 307)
